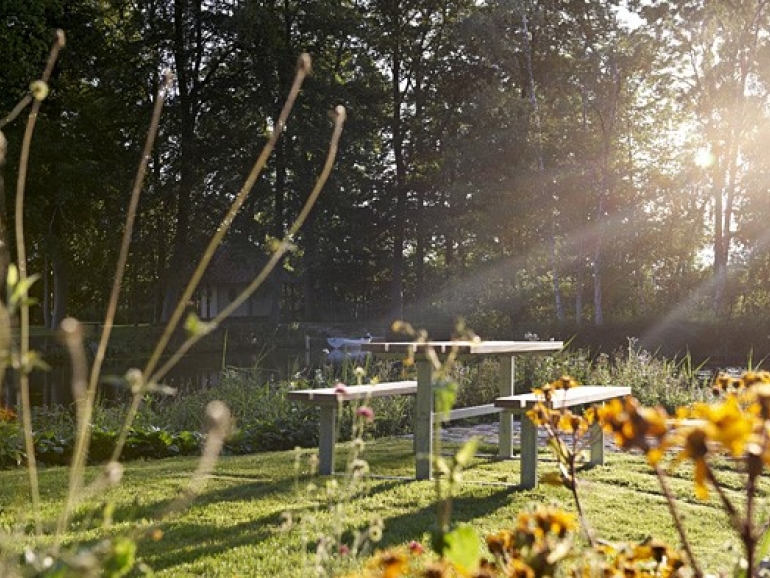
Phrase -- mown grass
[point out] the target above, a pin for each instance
(234, 527)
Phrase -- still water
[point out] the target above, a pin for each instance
(53, 386)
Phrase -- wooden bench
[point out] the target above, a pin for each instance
(329, 400)
(583, 395)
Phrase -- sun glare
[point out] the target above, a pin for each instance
(704, 158)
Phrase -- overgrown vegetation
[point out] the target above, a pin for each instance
(264, 420)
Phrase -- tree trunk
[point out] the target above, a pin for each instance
(543, 191)
(186, 71)
(399, 224)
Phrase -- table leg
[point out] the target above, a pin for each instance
(528, 453)
(597, 444)
(506, 385)
(423, 421)
(326, 441)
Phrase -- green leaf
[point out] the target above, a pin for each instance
(465, 454)
(462, 548)
(122, 558)
(443, 466)
(194, 326)
(445, 395)
(13, 276)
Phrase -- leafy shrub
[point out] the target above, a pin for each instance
(11, 444)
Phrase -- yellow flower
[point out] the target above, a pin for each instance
(501, 544)
(547, 520)
(635, 426)
(391, 563)
(517, 568)
(727, 424)
(760, 392)
(725, 383)
(540, 414)
(695, 448)
(569, 422)
(564, 382)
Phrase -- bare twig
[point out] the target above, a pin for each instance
(284, 246)
(22, 265)
(72, 333)
(303, 69)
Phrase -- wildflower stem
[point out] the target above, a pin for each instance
(303, 69)
(24, 306)
(284, 246)
(741, 525)
(152, 376)
(16, 110)
(661, 475)
(589, 533)
(73, 339)
(80, 452)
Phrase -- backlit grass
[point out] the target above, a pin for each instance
(234, 527)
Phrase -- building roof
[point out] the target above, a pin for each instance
(235, 265)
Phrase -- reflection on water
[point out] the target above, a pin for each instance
(53, 387)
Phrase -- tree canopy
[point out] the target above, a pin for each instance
(578, 162)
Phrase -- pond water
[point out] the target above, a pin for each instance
(53, 386)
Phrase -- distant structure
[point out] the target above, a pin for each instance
(230, 272)
(346, 348)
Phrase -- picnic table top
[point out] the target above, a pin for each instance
(461, 347)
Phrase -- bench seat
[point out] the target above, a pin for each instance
(333, 395)
(328, 399)
(564, 398)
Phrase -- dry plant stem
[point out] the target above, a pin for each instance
(571, 460)
(743, 527)
(16, 110)
(670, 500)
(284, 246)
(568, 458)
(80, 452)
(24, 306)
(303, 69)
(72, 332)
(275, 258)
(443, 501)
(215, 440)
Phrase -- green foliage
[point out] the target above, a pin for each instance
(461, 547)
(653, 379)
(11, 444)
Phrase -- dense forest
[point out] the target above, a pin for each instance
(584, 162)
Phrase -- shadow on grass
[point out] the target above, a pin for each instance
(188, 541)
(465, 509)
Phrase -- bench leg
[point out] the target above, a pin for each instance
(327, 440)
(597, 444)
(506, 387)
(423, 422)
(528, 453)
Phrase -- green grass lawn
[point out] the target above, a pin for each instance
(234, 528)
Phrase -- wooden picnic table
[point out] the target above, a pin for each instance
(424, 418)
(564, 398)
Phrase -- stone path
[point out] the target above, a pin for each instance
(489, 434)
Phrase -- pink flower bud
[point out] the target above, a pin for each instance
(366, 412)
(416, 548)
